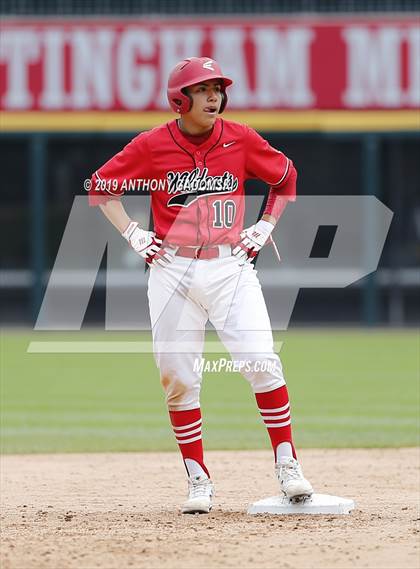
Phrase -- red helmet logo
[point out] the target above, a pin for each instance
(189, 72)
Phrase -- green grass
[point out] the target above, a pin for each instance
(349, 388)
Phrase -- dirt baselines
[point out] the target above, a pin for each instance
(122, 510)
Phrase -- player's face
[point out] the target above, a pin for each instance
(207, 98)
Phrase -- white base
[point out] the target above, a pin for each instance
(317, 504)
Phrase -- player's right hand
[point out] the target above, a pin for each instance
(147, 245)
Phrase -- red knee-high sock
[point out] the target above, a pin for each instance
(187, 429)
(275, 410)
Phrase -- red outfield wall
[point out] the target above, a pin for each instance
(297, 64)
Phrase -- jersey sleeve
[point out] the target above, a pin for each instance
(270, 165)
(111, 180)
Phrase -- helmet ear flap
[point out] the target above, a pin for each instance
(180, 102)
(184, 91)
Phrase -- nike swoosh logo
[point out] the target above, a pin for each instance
(226, 144)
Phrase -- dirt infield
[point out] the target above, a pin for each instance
(122, 511)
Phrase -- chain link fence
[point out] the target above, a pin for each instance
(182, 7)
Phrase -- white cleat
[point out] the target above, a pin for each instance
(200, 493)
(292, 482)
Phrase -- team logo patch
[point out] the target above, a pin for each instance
(189, 186)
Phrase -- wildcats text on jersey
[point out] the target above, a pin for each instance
(193, 184)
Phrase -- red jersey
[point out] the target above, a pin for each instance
(197, 191)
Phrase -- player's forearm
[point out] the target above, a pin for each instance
(271, 219)
(279, 197)
(275, 207)
(114, 211)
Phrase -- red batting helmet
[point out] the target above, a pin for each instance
(190, 72)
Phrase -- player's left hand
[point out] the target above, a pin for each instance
(252, 240)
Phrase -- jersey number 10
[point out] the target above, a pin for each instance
(224, 213)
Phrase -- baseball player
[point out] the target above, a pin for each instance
(200, 259)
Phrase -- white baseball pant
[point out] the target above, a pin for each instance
(186, 294)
